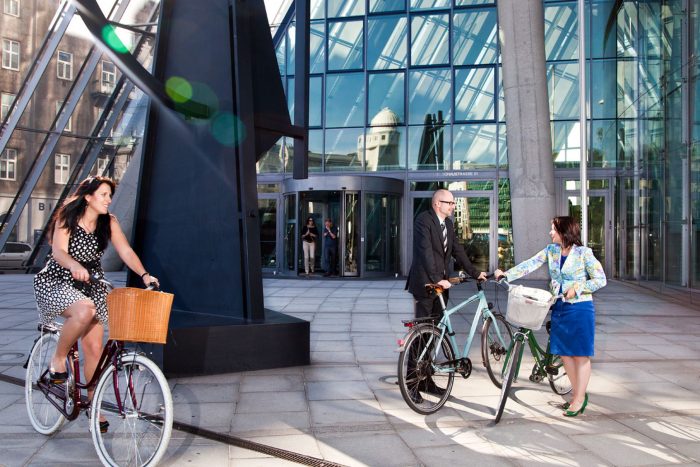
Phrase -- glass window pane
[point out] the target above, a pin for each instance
(290, 96)
(627, 89)
(281, 52)
(650, 25)
(475, 94)
(345, 100)
(650, 104)
(603, 35)
(474, 146)
(430, 92)
(344, 149)
(429, 147)
(386, 42)
(475, 37)
(376, 6)
(474, 2)
(385, 148)
(429, 4)
(566, 144)
(430, 40)
(603, 91)
(273, 161)
(502, 146)
(291, 41)
(267, 213)
(345, 45)
(561, 32)
(345, 8)
(386, 93)
(315, 100)
(562, 80)
(315, 151)
(501, 97)
(317, 49)
(317, 9)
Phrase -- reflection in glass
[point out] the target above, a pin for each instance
(273, 160)
(562, 81)
(281, 52)
(474, 94)
(650, 104)
(386, 42)
(386, 91)
(596, 223)
(474, 146)
(650, 29)
(290, 236)
(351, 229)
(474, 2)
(502, 146)
(429, 93)
(603, 41)
(344, 149)
(315, 150)
(315, 100)
(566, 144)
(429, 145)
(561, 32)
(345, 45)
(472, 220)
(384, 147)
(429, 4)
(614, 98)
(317, 9)
(267, 212)
(345, 8)
(376, 6)
(505, 226)
(291, 42)
(430, 40)
(382, 222)
(290, 96)
(475, 37)
(345, 100)
(317, 42)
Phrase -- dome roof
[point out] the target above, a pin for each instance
(386, 117)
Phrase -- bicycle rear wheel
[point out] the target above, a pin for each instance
(423, 389)
(44, 416)
(558, 379)
(509, 374)
(493, 352)
(135, 399)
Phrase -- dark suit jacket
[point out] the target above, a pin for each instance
(430, 262)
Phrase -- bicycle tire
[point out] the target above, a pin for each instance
(493, 353)
(559, 382)
(511, 368)
(414, 376)
(139, 433)
(43, 415)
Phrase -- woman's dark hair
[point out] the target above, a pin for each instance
(69, 214)
(567, 227)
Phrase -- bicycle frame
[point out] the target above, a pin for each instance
(445, 325)
(69, 400)
(543, 358)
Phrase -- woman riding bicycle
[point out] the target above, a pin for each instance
(79, 234)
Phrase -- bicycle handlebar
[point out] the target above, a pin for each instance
(98, 279)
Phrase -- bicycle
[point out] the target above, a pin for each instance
(546, 364)
(131, 392)
(427, 361)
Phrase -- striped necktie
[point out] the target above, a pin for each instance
(444, 236)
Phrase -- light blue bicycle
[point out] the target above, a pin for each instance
(428, 363)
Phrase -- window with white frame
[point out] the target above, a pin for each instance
(8, 164)
(109, 76)
(69, 125)
(6, 101)
(10, 54)
(64, 65)
(11, 7)
(102, 164)
(61, 168)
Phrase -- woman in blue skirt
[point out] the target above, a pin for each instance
(576, 273)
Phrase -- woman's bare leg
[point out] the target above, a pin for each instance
(570, 367)
(78, 316)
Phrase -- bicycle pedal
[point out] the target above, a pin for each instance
(552, 370)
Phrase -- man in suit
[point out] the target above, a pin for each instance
(434, 243)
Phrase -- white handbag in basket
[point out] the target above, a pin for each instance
(528, 307)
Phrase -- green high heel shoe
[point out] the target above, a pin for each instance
(574, 413)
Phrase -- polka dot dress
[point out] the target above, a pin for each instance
(55, 289)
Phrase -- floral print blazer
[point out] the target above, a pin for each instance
(581, 270)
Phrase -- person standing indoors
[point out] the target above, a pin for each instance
(79, 233)
(576, 273)
(434, 243)
(330, 247)
(309, 234)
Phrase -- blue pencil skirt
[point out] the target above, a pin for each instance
(573, 329)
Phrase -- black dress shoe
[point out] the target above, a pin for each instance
(415, 395)
(104, 426)
(431, 388)
(58, 377)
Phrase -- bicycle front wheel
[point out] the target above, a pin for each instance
(558, 379)
(44, 416)
(424, 389)
(509, 375)
(135, 399)
(493, 352)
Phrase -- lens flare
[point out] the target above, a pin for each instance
(227, 129)
(109, 34)
(179, 89)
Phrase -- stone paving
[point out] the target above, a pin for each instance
(346, 408)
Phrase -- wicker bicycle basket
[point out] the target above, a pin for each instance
(139, 315)
(528, 307)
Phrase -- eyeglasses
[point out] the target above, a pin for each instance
(451, 203)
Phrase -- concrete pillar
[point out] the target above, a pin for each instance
(530, 162)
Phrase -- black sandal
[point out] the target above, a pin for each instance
(57, 377)
(104, 425)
